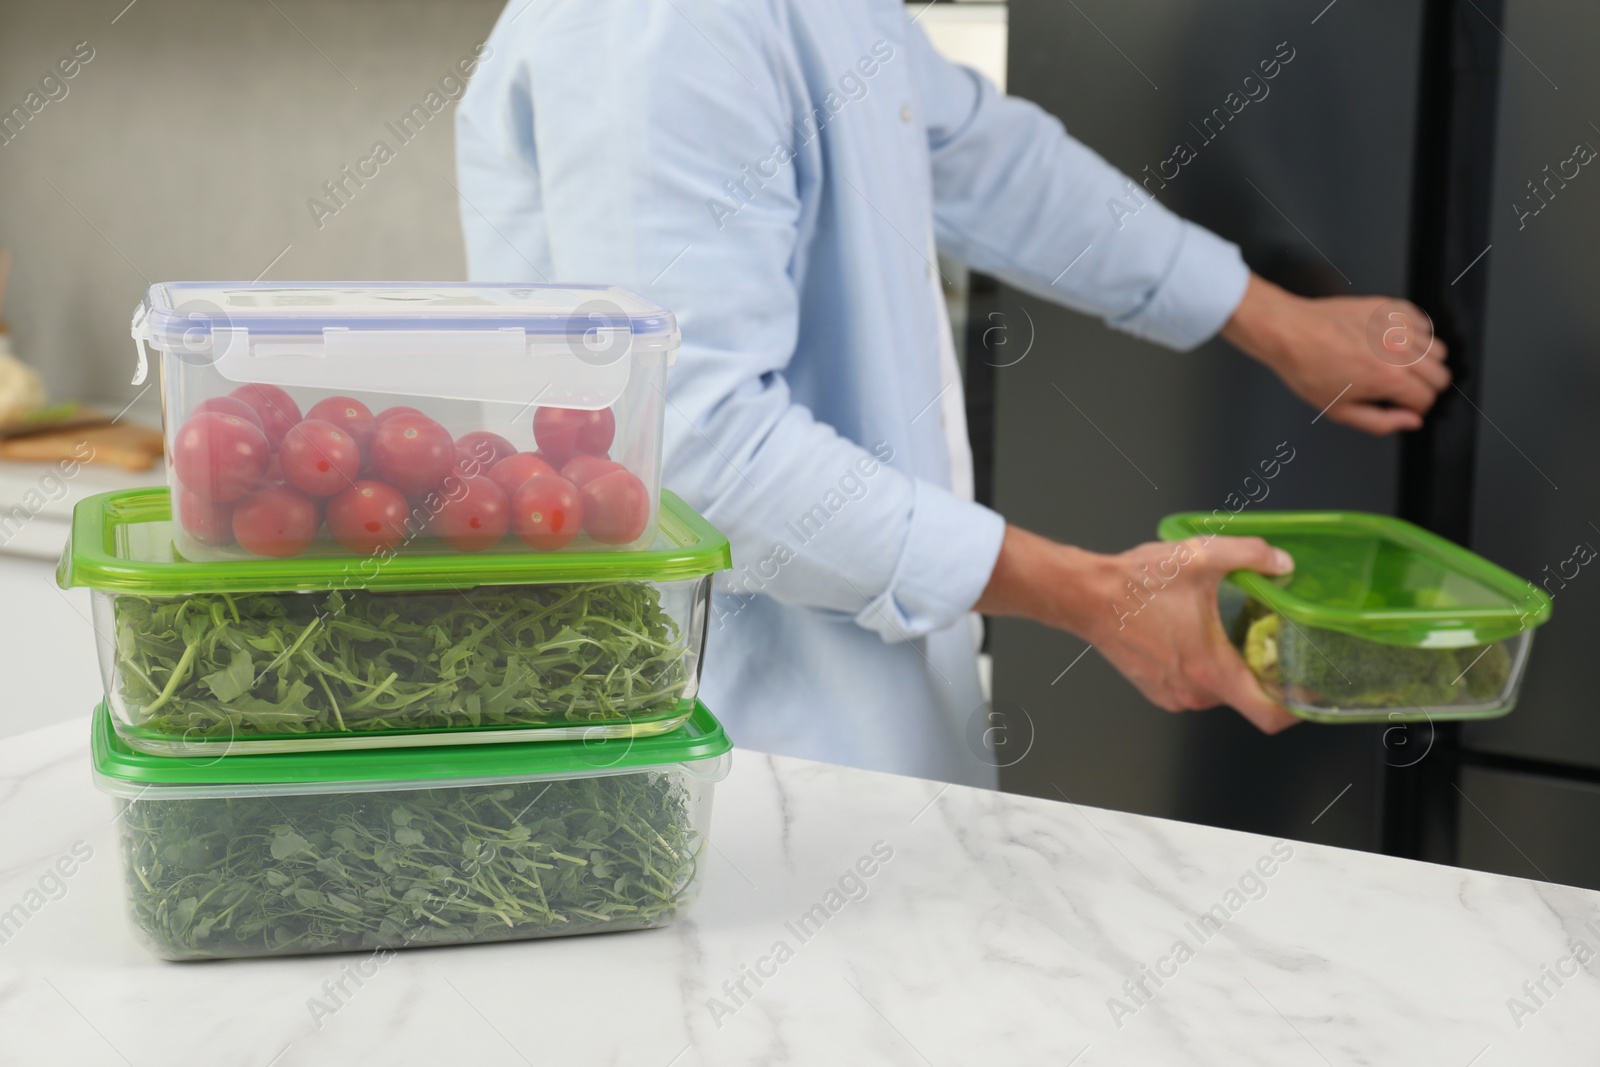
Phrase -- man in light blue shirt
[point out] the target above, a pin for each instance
(778, 172)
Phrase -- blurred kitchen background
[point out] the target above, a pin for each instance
(189, 141)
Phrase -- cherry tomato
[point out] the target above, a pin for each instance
(565, 432)
(276, 521)
(388, 413)
(482, 448)
(412, 453)
(368, 517)
(204, 520)
(318, 458)
(616, 508)
(230, 405)
(219, 457)
(546, 512)
(581, 470)
(350, 415)
(475, 514)
(511, 472)
(277, 408)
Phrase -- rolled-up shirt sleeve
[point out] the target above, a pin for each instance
(614, 174)
(1017, 197)
(950, 551)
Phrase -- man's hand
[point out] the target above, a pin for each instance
(1379, 375)
(1151, 611)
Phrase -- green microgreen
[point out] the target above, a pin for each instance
(282, 874)
(220, 665)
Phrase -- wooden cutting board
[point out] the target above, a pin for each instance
(133, 448)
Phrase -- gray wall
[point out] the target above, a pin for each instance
(189, 145)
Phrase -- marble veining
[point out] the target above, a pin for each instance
(990, 929)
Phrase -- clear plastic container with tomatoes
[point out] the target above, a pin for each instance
(335, 419)
(207, 659)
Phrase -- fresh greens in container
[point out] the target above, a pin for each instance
(271, 655)
(1380, 621)
(389, 848)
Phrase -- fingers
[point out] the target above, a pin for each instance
(1225, 554)
(1405, 388)
(1241, 691)
(1223, 680)
(1378, 421)
(1437, 351)
(1433, 373)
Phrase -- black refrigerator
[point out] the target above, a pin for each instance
(1391, 152)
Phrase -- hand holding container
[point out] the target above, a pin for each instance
(1380, 621)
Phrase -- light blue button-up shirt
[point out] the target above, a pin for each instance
(775, 171)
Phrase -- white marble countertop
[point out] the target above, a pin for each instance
(1002, 930)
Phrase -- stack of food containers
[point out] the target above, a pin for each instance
(409, 653)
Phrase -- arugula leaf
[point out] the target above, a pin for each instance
(235, 680)
(262, 875)
(219, 665)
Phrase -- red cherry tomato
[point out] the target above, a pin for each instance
(277, 408)
(511, 472)
(230, 405)
(388, 413)
(276, 521)
(616, 508)
(566, 432)
(581, 470)
(546, 512)
(204, 520)
(368, 517)
(412, 453)
(350, 415)
(482, 448)
(318, 458)
(475, 514)
(219, 457)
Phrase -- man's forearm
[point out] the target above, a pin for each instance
(1256, 325)
(1039, 579)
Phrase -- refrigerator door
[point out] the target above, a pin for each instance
(1525, 825)
(1537, 502)
(1099, 435)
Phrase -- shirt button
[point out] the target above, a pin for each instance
(905, 113)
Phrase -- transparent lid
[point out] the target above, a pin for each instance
(449, 339)
(1376, 577)
(175, 311)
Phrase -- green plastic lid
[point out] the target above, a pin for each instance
(1376, 577)
(123, 771)
(122, 542)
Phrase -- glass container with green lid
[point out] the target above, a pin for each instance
(377, 849)
(249, 656)
(1380, 621)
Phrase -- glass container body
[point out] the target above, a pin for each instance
(275, 870)
(282, 402)
(1329, 676)
(214, 673)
